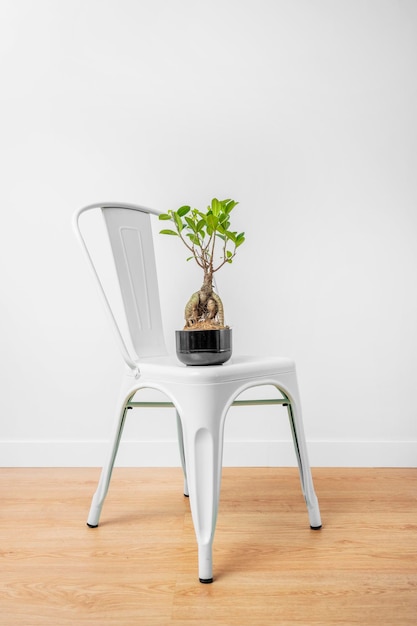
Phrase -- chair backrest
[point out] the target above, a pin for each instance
(130, 234)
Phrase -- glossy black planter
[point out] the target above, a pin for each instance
(204, 347)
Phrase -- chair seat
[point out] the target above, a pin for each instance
(237, 368)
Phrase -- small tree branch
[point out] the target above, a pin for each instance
(225, 260)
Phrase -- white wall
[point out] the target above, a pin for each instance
(305, 112)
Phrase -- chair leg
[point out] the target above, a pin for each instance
(182, 454)
(203, 449)
(304, 466)
(106, 472)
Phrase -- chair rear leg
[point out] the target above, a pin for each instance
(304, 467)
(182, 454)
(106, 472)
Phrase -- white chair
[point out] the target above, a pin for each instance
(201, 395)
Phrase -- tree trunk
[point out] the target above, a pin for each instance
(204, 309)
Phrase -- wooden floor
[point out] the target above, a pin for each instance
(140, 567)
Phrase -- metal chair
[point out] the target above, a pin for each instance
(201, 395)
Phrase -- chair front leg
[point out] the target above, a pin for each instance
(203, 440)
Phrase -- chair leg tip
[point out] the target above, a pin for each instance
(206, 581)
(92, 525)
(315, 527)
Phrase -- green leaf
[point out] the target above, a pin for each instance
(231, 236)
(183, 210)
(191, 224)
(194, 239)
(240, 239)
(212, 222)
(164, 216)
(178, 221)
(228, 254)
(230, 204)
(168, 232)
(224, 221)
(189, 258)
(216, 207)
(200, 225)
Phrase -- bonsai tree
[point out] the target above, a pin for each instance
(200, 232)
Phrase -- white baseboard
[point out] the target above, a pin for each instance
(236, 453)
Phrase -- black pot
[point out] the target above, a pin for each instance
(204, 347)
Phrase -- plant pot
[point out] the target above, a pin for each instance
(204, 347)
